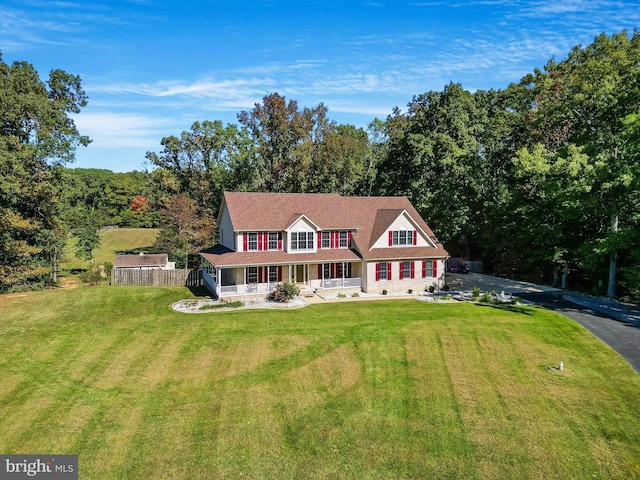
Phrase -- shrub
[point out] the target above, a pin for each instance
(384, 292)
(432, 289)
(108, 266)
(342, 295)
(234, 304)
(284, 292)
(485, 298)
(355, 294)
(446, 288)
(475, 293)
(92, 278)
(410, 291)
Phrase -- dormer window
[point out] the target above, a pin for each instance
(402, 237)
(302, 240)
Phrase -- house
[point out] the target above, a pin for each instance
(321, 242)
(144, 261)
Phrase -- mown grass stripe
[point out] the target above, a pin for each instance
(392, 389)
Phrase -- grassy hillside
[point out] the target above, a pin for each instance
(390, 389)
(111, 242)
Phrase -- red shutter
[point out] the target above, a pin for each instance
(279, 240)
(348, 270)
(401, 275)
(260, 242)
(265, 241)
(319, 271)
(279, 273)
(435, 268)
(349, 239)
(319, 240)
(389, 271)
(415, 237)
(390, 238)
(377, 272)
(245, 242)
(259, 274)
(413, 270)
(424, 268)
(334, 242)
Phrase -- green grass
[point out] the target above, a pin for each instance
(381, 390)
(111, 242)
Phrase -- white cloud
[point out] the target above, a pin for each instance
(111, 129)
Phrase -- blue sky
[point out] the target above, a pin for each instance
(151, 69)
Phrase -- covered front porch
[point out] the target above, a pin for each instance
(262, 279)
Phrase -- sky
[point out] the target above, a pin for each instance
(151, 69)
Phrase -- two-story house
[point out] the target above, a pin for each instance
(321, 242)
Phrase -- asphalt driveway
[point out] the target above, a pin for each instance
(488, 283)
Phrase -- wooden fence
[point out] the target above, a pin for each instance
(157, 278)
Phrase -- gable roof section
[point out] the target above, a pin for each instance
(131, 261)
(368, 217)
(384, 218)
(298, 216)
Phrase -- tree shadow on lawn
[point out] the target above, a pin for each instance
(137, 250)
(523, 310)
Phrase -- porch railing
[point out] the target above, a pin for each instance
(342, 283)
(247, 289)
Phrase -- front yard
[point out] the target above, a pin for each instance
(385, 389)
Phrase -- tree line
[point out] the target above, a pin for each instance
(540, 180)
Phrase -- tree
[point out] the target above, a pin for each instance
(36, 134)
(303, 150)
(187, 229)
(584, 100)
(433, 157)
(88, 241)
(206, 160)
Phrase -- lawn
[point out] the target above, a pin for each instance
(111, 242)
(386, 389)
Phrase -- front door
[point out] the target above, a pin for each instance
(299, 274)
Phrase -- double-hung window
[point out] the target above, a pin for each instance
(252, 275)
(273, 241)
(273, 274)
(406, 269)
(301, 240)
(344, 239)
(252, 241)
(326, 239)
(427, 270)
(383, 273)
